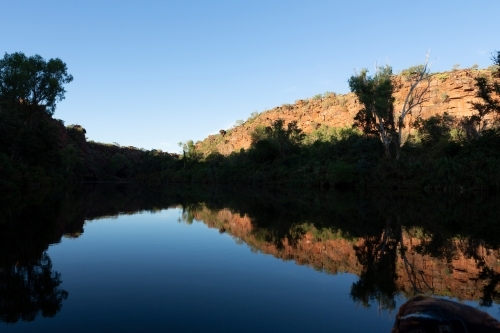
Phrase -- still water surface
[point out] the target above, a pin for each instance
(188, 266)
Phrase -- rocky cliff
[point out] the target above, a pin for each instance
(449, 92)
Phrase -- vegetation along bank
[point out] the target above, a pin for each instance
(414, 129)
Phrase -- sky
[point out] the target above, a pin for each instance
(151, 74)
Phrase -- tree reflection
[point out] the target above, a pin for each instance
(27, 290)
(378, 257)
(490, 292)
(402, 245)
(385, 240)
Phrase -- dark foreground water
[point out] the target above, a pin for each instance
(123, 258)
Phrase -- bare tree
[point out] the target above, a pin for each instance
(420, 79)
(378, 116)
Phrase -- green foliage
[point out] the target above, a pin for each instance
(189, 150)
(32, 80)
(286, 139)
(342, 173)
(37, 151)
(259, 133)
(444, 97)
(72, 162)
(119, 166)
(495, 57)
(410, 72)
(375, 94)
(331, 134)
(264, 151)
(253, 116)
(442, 76)
(434, 129)
(489, 94)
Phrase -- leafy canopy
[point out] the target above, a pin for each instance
(32, 80)
(375, 94)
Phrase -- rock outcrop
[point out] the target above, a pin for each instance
(450, 92)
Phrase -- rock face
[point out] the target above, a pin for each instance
(458, 272)
(449, 92)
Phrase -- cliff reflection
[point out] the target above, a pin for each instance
(436, 245)
(456, 257)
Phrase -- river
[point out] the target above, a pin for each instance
(131, 258)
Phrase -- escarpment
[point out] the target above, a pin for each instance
(450, 92)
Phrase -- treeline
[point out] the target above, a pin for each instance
(37, 150)
(346, 158)
(442, 152)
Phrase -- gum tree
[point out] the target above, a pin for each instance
(378, 116)
(419, 79)
(375, 94)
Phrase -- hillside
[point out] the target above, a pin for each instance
(449, 92)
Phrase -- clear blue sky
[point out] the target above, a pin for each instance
(153, 73)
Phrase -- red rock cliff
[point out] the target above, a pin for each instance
(449, 92)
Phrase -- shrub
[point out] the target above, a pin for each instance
(253, 116)
(442, 76)
(264, 151)
(434, 128)
(408, 73)
(341, 173)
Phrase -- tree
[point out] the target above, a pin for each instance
(33, 81)
(419, 78)
(189, 151)
(488, 92)
(434, 128)
(495, 57)
(375, 94)
(284, 138)
(30, 289)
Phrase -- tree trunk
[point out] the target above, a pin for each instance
(386, 140)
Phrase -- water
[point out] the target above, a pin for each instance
(182, 265)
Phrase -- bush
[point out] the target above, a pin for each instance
(10, 177)
(341, 173)
(434, 128)
(264, 151)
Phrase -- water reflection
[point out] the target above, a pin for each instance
(406, 245)
(444, 246)
(406, 260)
(29, 289)
(28, 284)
